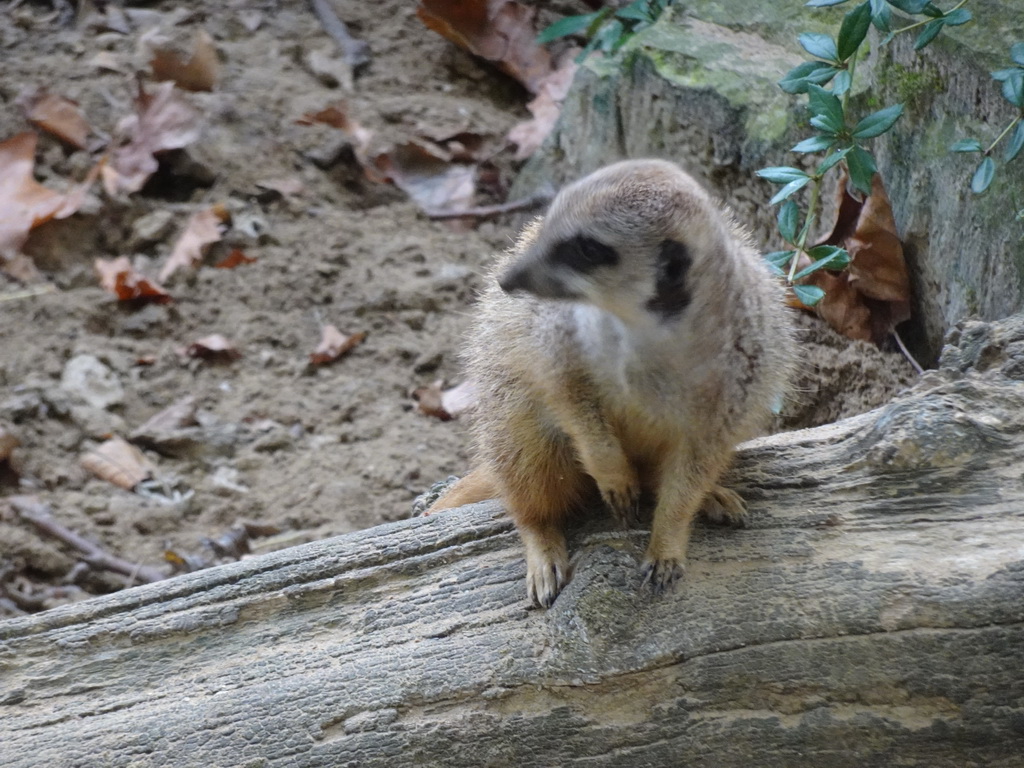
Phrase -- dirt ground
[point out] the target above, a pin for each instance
(313, 451)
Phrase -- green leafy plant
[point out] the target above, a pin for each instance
(608, 29)
(1012, 79)
(844, 138)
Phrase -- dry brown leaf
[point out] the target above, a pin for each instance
(433, 183)
(203, 229)
(163, 121)
(873, 296)
(501, 31)
(545, 108)
(334, 344)
(336, 116)
(24, 202)
(199, 73)
(287, 187)
(234, 259)
(120, 278)
(57, 115)
(8, 442)
(215, 348)
(445, 404)
(119, 462)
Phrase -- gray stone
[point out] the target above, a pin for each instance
(92, 382)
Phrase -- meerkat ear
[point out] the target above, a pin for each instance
(583, 254)
(671, 295)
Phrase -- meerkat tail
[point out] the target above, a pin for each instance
(478, 485)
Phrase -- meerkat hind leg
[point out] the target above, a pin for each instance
(725, 507)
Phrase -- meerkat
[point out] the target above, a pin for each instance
(623, 348)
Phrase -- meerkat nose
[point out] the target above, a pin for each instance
(515, 280)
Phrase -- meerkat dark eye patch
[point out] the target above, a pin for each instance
(583, 254)
(671, 295)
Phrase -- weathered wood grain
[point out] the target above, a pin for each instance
(872, 615)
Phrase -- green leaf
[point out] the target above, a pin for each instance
(824, 3)
(881, 15)
(1017, 53)
(1003, 74)
(789, 218)
(853, 30)
(638, 10)
(1013, 88)
(1016, 142)
(781, 174)
(909, 6)
(957, 17)
(862, 168)
(608, 37)
(778, 261)
(798, 78)
(832, 160)
(789, 189)
(842, 82)
(570, 25)
(819, 45)
(814, 144)
(983, 176)
(878, 122)
(809, 295)
(930, 9)
(966, 145)
(827, 108)
(835, 258)
(930, 32)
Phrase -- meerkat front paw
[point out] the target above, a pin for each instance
(661, 574)
(546, 575)
(725, 507)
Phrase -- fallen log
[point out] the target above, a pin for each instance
(872, 615)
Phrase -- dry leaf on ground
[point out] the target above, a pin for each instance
(203, 229)
(872, 296)
(215, 348)
(545, 108)
(163, 121)
(8, 442)
(120, 278)
(56, 115)
(119, 462)
(501, 31)
(234, 259)
(433, 183)
(334, 344)
(336, 115)
(25, 203)
(199, 73)
(179, 414)
(445, 404)
(286, 187)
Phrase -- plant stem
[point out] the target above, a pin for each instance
(852, 69)
(1000, 137)
(921, 23)
(812, 212)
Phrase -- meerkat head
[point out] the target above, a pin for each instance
(624, 239)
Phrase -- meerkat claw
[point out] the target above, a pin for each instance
(662, 575)
(544, 583)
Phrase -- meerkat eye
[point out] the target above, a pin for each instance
(584, 254)
(671, 295)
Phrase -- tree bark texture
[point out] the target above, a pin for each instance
(871, 615)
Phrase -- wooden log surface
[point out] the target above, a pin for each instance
(871, 615)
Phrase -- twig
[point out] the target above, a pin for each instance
(38, 513)
(355, 52)
(28, 293)
(487, 211)
(906, 353)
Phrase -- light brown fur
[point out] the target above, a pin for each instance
(621, 380)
